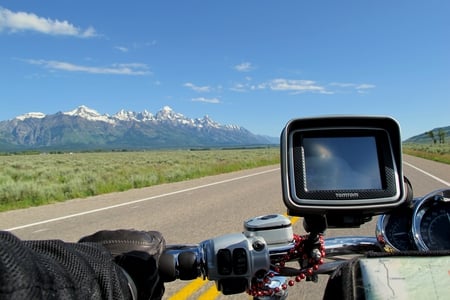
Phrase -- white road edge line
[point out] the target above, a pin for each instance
(428, 174)
(139, 200)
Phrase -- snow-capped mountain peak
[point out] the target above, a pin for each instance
(31, 115)
(145, 116)
(83, 111)
(125, 129)
(125, 115)
(89, 114)
(166, 114)
(206, 121)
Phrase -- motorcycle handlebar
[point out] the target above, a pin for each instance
(186, 261)
(255, 258)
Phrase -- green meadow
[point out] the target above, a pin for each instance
(436, 152)
(36, 179)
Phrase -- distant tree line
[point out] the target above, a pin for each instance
(440, 135)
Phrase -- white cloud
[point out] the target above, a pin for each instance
(299, 86)
(343, 84)
(244, 87)
(23, 21)
(116, 69)
(360, 88)
(239, 87)
(121, 49)
(244, 67)
(364, 86)
(357, 86)
(206, 100)
(294, 85)
(199, 89)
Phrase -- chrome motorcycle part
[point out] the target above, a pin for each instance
(394, 231)
(232, 261)
(431, 223)
(308, 250)
(275, 229)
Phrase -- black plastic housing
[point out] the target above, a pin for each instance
(346, 166)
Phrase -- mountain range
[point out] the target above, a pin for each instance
(425, 138)
(85, 129)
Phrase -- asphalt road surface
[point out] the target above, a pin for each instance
(192, 211)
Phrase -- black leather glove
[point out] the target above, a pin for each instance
(137, 252)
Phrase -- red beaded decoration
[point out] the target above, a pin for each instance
(259, 288)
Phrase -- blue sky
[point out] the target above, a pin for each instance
(251, 63)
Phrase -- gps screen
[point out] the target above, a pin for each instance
(341, 163)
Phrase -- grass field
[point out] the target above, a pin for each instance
(436, 152)
(30, 180)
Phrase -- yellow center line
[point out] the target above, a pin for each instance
(198, 283)
(189, 289)
(211, 293)
(293, 219)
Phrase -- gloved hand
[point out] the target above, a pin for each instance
(137, 252)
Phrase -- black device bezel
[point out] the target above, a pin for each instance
(300, 201)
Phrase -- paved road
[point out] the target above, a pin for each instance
(191, 211)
